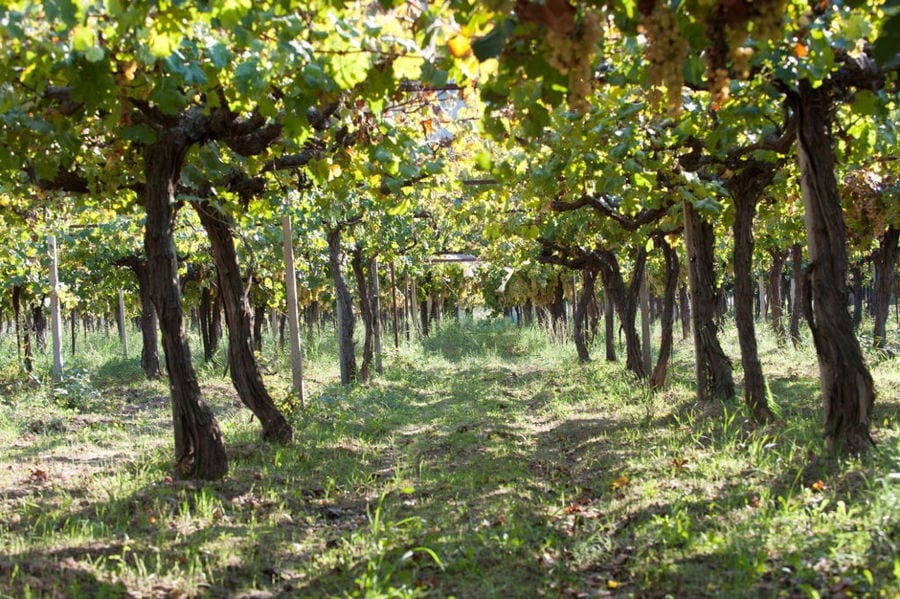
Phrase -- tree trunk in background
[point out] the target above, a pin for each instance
(375, 305)
(313, 319)
(74, 330)
(763, 305)
(558, 313)
(365, 312)
(40, 325)
(856, 277)
(774, 293)
(199, 449)
(746, 187)
(658, 378)
(626, 300)
(589, 278)
(644, 294)
(423, 318)
(885, 261)
(394, 312)
(407, 303)
(609, 325)
(123, 331)
(205, 317)
(797, 290)
(684, 308)
(343, 311)
(149, 324)
(258, 319)
(713, 368)
(245, 374)
(847, 388)
(29, 354)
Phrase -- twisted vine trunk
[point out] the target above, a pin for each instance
(684, 310)
(589, 279)
(713, 368)
(746, 188)
(343, 311)
(856, 278)
(847, 388)
(149, 324)
(626, 300)
(798, 290)
(609, 326)
(199, 448)
(365, 312)
(667, 318)
(885, 278)
(776, 301)
(245, 374)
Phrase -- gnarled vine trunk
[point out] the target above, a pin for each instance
(745, 188)
(670, 255)
(776, 302)
(797, 289)
(245, 374)
(589, 278)
(684, 311)
(625, 300)
(885, 260)
(609, 326)
(713, 368)
(149, 324)
(199, 448)
(365, 312)
(847, 389)
(343, 311)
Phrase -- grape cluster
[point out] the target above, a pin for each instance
(865, 210)
(666, 51)
(741, 55)
(768, 19)
(573, 55)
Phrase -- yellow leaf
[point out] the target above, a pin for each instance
(620, 482)
(459, 46)
(161, 44)
(612, 584)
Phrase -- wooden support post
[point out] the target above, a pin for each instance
(290, 283)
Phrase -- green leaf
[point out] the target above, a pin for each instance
(884, 50)
(94, 54)
(231, 12)
(382, 155)
(314, 75)
(483, 160)
(401, 208)
(433, 76)
(220, 55)
(167, 96)
(83, 38)
(491, 45)
(162, 44)
(350, 69)
(139, 133)
(865, 102)
(247, 77)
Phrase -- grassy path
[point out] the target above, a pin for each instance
(483, 464)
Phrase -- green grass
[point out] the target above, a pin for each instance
(484, 462)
